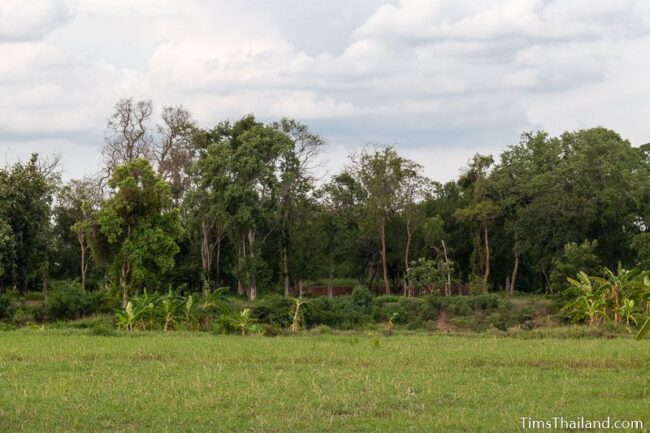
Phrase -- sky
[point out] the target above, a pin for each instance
(438, 79)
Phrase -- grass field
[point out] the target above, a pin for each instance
(61, 381)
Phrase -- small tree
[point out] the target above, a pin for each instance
(427, 276)
(574, 258)
(137, 227)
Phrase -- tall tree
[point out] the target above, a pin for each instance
(414, 187)
(241, 162)
(295, 179)
(343, 199)
(76, 203)
(380, 172)
(137, 227)
(128, 135)
(26, 194)
(175, 150)
(481, 209)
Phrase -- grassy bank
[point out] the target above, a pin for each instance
(66, 381)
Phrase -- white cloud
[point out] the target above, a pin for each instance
(29, 20)
(441, 78)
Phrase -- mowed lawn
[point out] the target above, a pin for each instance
(55, 381)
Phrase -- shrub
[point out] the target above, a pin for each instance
(69, 301)
(362, 298)
(476, 284)
(456, 305)
(400, 309)
(273, 310)
(486, 301)
(4, 327)
(497, 320)
(22, 317)
(339, 312)
(5, 307)
(429, 276)
(573, 259)
(102, 329)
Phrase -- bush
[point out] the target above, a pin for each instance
(456, 305)
(5, 327)
(68, 301)
(6, 310)
(22, 317)
(402, 310)
(362, 298)
(85, 323)
(102, 329)
(343, 312)
(273, 310)
(573, 259)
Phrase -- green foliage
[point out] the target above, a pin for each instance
(127, 319)
(641, 246)
(617, 298)
(26, 244)
(574, 258)
(151, 311)
(338, 312)
(362, 298)
(137, 226)
(67, 300)
(476, 284)
(6, 307)
(242, 322)
(429, 276)
(643, 331)
(274, 310)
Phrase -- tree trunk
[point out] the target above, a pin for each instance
(44, 283)
(285, 268)
(513, 279)
(285, 251)
(383, 257)
(330, 289)
(123, 283)
(406, 257)
(486, 276)
(218, 260)
(301, 288)
(206, 257)
(448, 285)
(252, 293)
(242, 254)
(82, 246)
(549, 288)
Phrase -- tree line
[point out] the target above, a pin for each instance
(239, 205)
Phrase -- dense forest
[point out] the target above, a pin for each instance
(239, 206)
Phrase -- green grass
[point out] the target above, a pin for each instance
(68, 381)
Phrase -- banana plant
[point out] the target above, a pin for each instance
(145, 307)
(628, 311)
(169, 310)
(188, 311)
(617, 285)
(644, 329)
(126, 319)
(590, 305)
(217, 300)
(243, 321)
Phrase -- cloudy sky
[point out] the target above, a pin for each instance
(440, 79)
